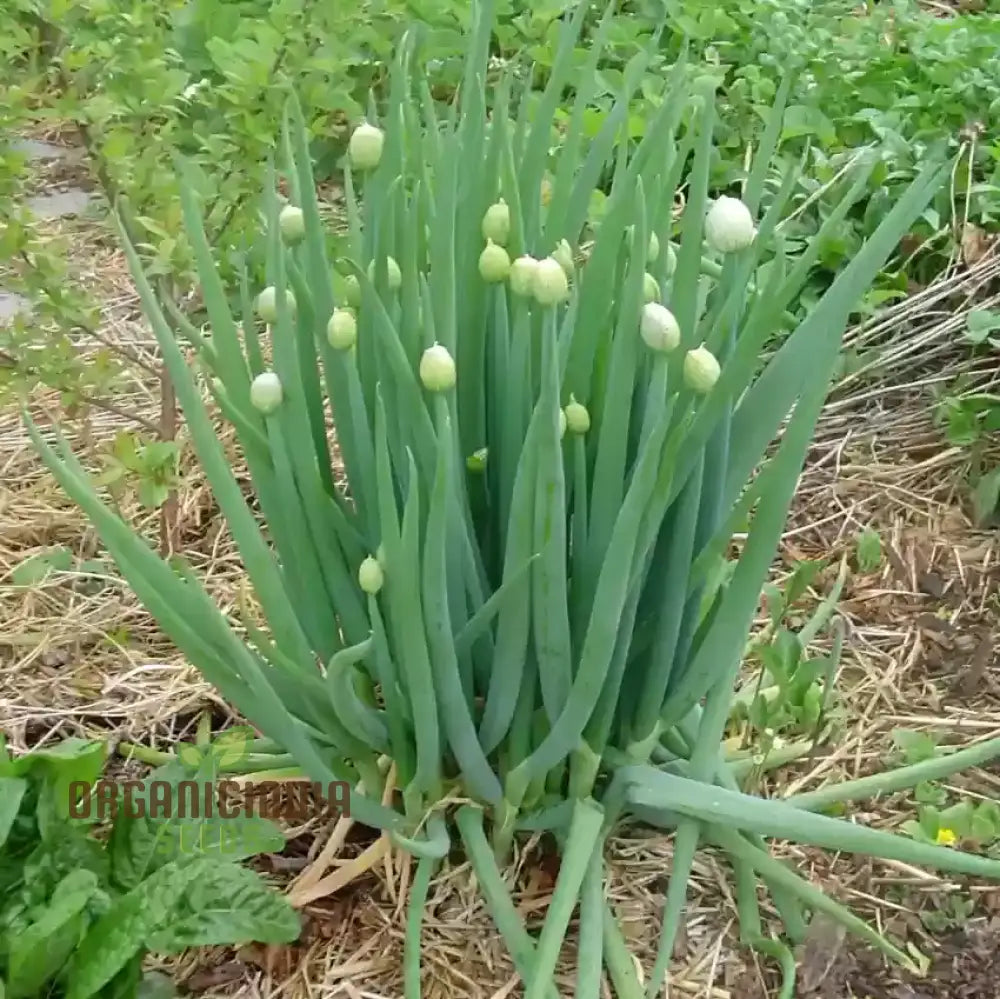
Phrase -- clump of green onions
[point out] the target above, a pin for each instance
(516, 599)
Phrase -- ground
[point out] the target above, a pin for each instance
(920, 654)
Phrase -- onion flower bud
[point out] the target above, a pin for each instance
(393, 274)
(659, 328)
(729, 225)
(522, 276)
(650, 288)
(476, 462)
(267, 304)
(352, 291)
(365, 147)
(292, 223)
(671, 260)
(577, 417)
(342, 329)
(701, 370)
(563, 255)
(496, 223)
(266, 393)
(494, 263)
(437, 369)
(551, 286)
(370, 575)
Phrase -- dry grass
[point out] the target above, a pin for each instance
(75, 660)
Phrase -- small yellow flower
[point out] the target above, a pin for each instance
(946, 837)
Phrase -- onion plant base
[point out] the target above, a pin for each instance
(517, 606)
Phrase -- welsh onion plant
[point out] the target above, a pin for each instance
(515, 597)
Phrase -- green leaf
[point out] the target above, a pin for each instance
(986, 496)
(36, 568)
(915, 746)
(141, 843)
(121, 933)
(980, 323)
(228, 906)
(38, 953)
(869, 550)
(802, 120)
(12, 792)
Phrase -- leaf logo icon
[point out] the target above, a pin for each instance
(191, 755)
(231, 747)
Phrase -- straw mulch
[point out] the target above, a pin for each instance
(81, 658)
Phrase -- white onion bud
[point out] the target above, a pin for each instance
(551, 286)
(365, 147)
(342, 329)
(659, 328)
(494, 263)
(437, 369)
(729, 225)
(393, 274)
(563, 423)
(267, 304)
(266, 393)
(653, 253)
(577, 417)
(522, 276)
(701, 369)
(496, 223)
(671, 260)
(563, 255)
(370, 575)
(292, 223)
(650, 288)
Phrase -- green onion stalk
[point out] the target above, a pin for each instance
(512, 591)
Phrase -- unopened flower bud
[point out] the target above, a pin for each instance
(563, 255)
(653, 253)
(494, 263)
(370, 575)
(701, 370)
(393, 275)
(551, 285)
(671, 260)
(563, 423)
(292, 223)
(496, 223)
(266, 393)
(267, 304)
(577, 417)
(659, 328)
(522, 276)
(352, 291)
(365, 147)
(729, 225)
(342, 329)
(476, 462)
(437, 369)
(650, 288)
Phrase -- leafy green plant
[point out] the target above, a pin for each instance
(868, 550)
(544, 631)
(791, 695)
(971, 419)
(82, 903)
